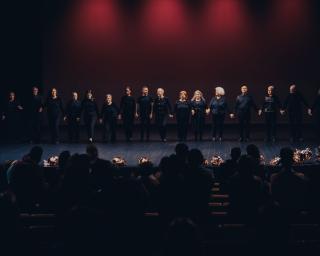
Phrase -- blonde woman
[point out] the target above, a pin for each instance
(198, 113)
(182, 110)
(162, 109)
(218, 107)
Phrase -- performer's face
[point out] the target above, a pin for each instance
(75, 96)
(160, 92)
(109, 98)
(292, 89)
(128, 91)
(197, 95)
(244, 89)
(145, 91)
(12, 96)
(270, 91)
(54, 93)
(35, 91)
(182, 96)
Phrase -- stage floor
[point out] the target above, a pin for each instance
(155, 150)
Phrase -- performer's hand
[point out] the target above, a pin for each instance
(207, 111)
(282, 112)
(20, 107)
(65, 118)
(137, 115)
(3, 117)
(40, 110)
(119, 116)
(193, 112)
(150, 116)
(309, 112)
(171, 116)
(260, 112)
(78, 119)
(231, 116)
(100, 120)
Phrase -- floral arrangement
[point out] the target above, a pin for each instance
(145, 162)
(275, 161)
(119, 161)
(300, 156)
(216, 160)
(52, 161)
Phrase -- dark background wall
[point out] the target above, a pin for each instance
(175, 44)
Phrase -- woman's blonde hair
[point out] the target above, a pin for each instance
(194, 95)
(184, 92)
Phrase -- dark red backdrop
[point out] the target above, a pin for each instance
(177, 44)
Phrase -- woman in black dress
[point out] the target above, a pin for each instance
(198, 112)
(109, 115)
(218, 107)
(270, 107)
(90, 114)
(127, 112)
(11, 117)
(55, 112)
(182, 109)
(162, 109)
(72, 117)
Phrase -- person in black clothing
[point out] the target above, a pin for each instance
(182, 109)
(73, 115)
(293, 106)
(55, 111)
(315, 111)
(127, 112)
(161, 109)
(90, 114)
(35, 110)
(219, 108)
(270, 107)
(109, 115)
(11, 116)
(244, 104)
(144, 109)
(198, 112)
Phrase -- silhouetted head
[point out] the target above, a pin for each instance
(181, 150)
(92, 152)
(35, 91)
(253, 151)
(286, 156)
(245, 166)
(195, 157)
(235, 153)
(35, 154)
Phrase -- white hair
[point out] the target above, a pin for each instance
(220, 91)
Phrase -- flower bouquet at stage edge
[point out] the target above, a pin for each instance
(215, 161)
(300, 156)
(119, 161)
(52, 161)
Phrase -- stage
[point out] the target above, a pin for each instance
(155, 150)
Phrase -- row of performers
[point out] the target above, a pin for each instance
(145, 108)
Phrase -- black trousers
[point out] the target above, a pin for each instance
(90, 122)
(271, 125)
(182, 128)
(35, 127)
(217, 125)
(244, 125)
(109, 130)
(128, 126)
(12, 129)
(144, 127)
(73, 129)
(161, 123)
(295, 122)
(198, 126)
(54, 122)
